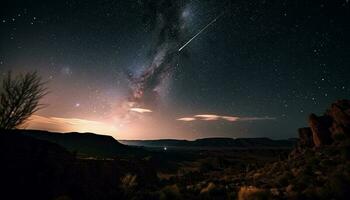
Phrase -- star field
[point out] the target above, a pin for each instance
(269, 62)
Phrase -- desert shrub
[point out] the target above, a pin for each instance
(232, 195)
(308, 169)
(211, 186)
(19, 99)
(284, 179)
(252, 193)
(274, 192)
(213, 191)
(275, 167)
(313, 161)
(128, 182)
(309, 193)
(302, 181)
(309, 154)
(170, 192)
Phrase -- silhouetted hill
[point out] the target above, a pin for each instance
(31, 167)
(38, 169)
(88, 144)
(215, 143)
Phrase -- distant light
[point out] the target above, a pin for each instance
(165, 148)
(77, 105)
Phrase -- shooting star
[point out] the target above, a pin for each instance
(203, 29)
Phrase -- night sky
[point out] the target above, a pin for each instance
(114, 67)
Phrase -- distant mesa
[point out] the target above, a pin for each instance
(209, 143)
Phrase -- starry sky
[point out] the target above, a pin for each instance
(114, 67)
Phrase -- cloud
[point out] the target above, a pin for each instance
(230, 118)
(213, 117)
(207, 117)
(140, 110)
(187, 119)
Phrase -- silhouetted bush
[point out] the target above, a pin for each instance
(19, 98)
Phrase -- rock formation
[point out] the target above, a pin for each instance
(320, 129)
(305, 136)
(325, 129)
(340, 113)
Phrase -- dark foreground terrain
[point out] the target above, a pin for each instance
(43, 165)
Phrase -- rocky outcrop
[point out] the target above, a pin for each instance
(340, 113)
(305, 136)
(318, 166)
(325, 129)
(320, 129)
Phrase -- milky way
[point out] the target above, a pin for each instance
(165, 21)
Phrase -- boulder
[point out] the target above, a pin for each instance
(344, 104)
(305, 137)
(338, 129)
(320, 129)
(339, 112)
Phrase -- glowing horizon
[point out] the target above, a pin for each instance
(140, 127)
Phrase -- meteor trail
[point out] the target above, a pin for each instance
(203, 29)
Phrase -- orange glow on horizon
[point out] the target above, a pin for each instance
(138, 127)
(58, 124)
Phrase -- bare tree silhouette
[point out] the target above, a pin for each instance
(19, 98)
